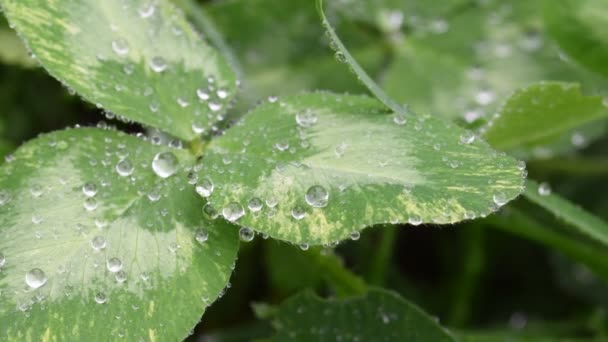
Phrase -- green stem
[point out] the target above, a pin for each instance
(381, 260)
(468, 277)
(518, 223)
(344, 282)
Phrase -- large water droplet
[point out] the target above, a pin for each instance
(121, 276)
(544, 189)
(415, 220)
(255, 204)
(158, 64)
(114, 265)
(317, 196)
(204, 187)
(298, 212)
(35, 278)
(100, 298)
(90, 204)
(246, 234)
(98, 243)
(89, 189)
(306, 118)
(210, 211)
(165, 164)
(201, 236)
(233, 211)
(120, 47)
(500, 199)
(125, 167)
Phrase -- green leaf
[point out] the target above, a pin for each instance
(141, 60)
(293, 58)
(535, 119)
(373, 166)
(579, 27)
(380, 313)
(570, 213)
(462, 64)
(66, 212)
(12, 50)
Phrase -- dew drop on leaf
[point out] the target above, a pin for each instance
(233, 211)
(204, 187)
(158, 64)
(120, 47)
(90, 204)
(415, 220)
(114, 265)
(100, 298)
(467, 137)
(89, 189)
(125, 168)
(255, 204)
(246, 234)
(399, 119)
(201, 236)
(35, 278)
(98, 243)
(298, 212)
(121, 276)
(317, 196)
(304, 246)
(306, 118)
(165, 164)
(500, 199)
(544, 189)
(355, 236)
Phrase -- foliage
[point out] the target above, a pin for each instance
(200, 124)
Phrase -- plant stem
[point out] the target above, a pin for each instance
(381, 260)
(344, 282)
(468, 277)
(518, 223)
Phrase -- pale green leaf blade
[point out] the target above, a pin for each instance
(580, 28)
(375, 166)
(570, 213)
(379, 314)
(141, 60)
(535, 119)
(162, 279)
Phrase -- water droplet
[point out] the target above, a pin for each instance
(89, 189)
(400, 119)
(355, 236)
(154, 195)
(165, 164)
(182, 102)
(201, 236)
(205, 187)
(120, 47)
(282, 145)
(90, 204)
(415, 220)
(304, 246)
(298, 212)
(125, 167)
(4, 197)
(114, 265)
(36, 190)
(35, 278)
(210, 211)
(121, 276)
(340, 57)
(221, 93)
(272, 99)
(467, 137)
(98, 243)
(255, 204)
(306, 118)
(147, 10)
(158, 64)
(544, 189)
(271, 202)
(214, 106)
(500, 199)
(100, 298)
(246, 234)
(202, 94)
(316, 196)
(233, 211)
